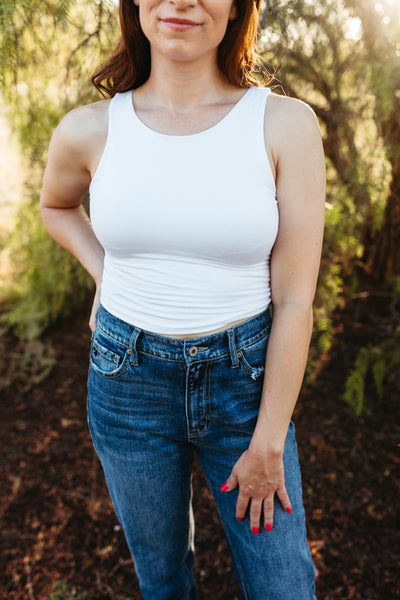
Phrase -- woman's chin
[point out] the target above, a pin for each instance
(182, 51)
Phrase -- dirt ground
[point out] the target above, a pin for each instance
(61, 540)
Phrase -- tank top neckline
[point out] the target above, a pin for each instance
(229, 115)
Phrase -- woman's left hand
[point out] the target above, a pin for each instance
(259, 477)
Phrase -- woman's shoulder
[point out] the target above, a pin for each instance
(85, 125)
(290, 116)
(81, 134)
(291, 127)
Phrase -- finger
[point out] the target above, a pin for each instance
(284, 498)
(241, 505)
(255, 514)
(92, 324)
(230, 484)
(93, 312)
(268, 506)
(92, 318)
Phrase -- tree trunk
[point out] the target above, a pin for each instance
(383, 258)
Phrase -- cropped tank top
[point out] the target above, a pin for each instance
(187, 222)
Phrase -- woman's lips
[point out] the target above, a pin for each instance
(180, 24)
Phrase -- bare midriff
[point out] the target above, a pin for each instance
(204, 333)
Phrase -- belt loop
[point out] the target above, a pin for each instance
(232, 348)
(132, 347)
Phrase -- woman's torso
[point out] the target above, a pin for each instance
(223, 192)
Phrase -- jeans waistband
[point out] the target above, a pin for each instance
(189, 350)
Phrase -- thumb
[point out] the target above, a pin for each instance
(230, 484)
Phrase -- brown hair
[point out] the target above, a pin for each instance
(129, 66)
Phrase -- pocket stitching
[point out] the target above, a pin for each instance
(109, 354)
(113, 356)
(253, 372)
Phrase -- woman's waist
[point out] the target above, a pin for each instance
(243, 331)
(186, 305)
(211, 332)
(184, 316)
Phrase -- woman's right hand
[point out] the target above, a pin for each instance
(95, 306)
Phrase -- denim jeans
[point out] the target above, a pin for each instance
(153, 401)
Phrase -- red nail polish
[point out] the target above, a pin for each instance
(288, 510)
(268, 527)
(239, 518)
(224, 487)
(255, 530)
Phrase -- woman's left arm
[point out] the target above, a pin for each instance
(295, 142)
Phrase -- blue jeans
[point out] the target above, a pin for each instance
(154, 400)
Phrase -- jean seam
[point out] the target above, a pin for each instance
(253, 372)
(254, 339)
(166, 358)
(112, 374)
(210, 359)
(198, 434)
(107, 333)
(240, 346)
(207, 400)
(238, 567)
(188, 582)
(107, 354)
(125, 341)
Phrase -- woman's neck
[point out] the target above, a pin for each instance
(180, 86)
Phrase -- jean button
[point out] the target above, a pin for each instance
(193, 351)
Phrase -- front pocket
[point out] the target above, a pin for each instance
(252, 358)
(107, 356)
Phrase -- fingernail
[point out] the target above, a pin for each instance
(268, 527)
(255, 530)
(239, 518)
(288, 510)
(224, 487)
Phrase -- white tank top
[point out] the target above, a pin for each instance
(187, 222)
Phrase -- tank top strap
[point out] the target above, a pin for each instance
(248, 120)
(120, 111)
(259, 102)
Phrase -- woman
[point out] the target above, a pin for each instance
(207, 203)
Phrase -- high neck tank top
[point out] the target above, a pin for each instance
(187, 222)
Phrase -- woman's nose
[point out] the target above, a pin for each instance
(181, 4)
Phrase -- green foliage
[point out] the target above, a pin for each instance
(56, 46)
(49, 50)
(62, 592)
(17, 19)
(46, 284)
(325, 52)
(372, 362)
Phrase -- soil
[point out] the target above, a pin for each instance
(61, 540)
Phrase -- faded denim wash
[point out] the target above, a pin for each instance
(153, 401)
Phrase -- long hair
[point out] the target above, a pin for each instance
(129, 66)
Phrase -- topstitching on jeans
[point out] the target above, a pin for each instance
(179, 357)
(217, 346)
(249, 341)
(123, 340)
(172, 349)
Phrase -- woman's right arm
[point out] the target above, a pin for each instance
(73, 155)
